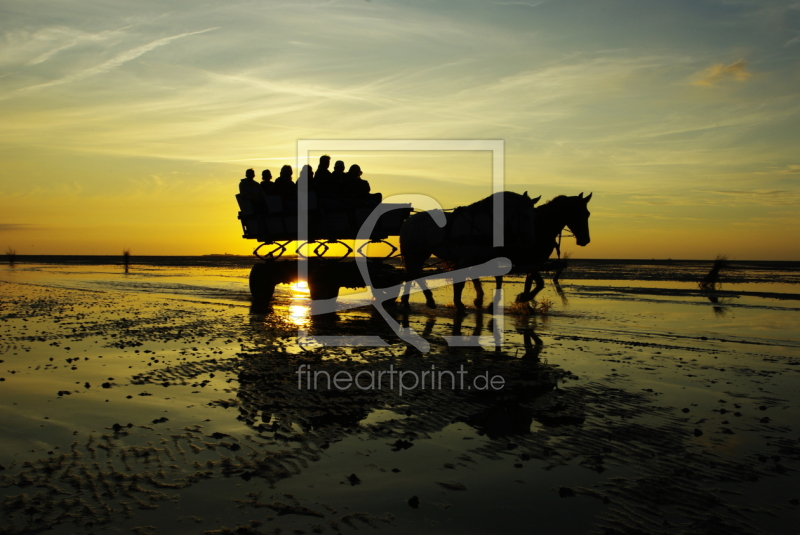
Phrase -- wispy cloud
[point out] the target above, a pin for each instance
(790, 170)
(116, 61)
(767, 197)
(729, 197)
(655, 200)
(736, 71)
(532, 3)
(751, 193)
(75, 40)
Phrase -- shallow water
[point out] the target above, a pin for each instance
(635, 403)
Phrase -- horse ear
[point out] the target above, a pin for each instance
(588, 198)
(534, 201)
(525, 194)
(580, 196)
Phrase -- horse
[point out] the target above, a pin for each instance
(466, 239)
(550, 220)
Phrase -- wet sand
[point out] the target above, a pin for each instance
(160, 402)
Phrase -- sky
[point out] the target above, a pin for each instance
(128, 125)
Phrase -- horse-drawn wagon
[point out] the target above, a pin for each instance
(463, 237)
(323, 224)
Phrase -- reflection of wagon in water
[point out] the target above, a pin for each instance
(328, 223)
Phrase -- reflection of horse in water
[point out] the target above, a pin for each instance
(549, 220)
(467, 238)
(293, 397)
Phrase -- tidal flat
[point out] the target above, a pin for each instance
(161, 401)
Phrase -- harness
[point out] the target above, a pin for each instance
(472, 234)
(472, 231)
(558, 244)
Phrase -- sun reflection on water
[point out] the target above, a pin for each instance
(300, 287)
(300, 308)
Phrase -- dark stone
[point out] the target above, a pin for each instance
(401, 444)
(566, 492)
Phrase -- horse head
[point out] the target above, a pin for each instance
(578, 218)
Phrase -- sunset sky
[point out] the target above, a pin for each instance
(127, 125)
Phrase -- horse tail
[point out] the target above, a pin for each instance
(407, 237)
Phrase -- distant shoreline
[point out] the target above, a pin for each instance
(21, 257)
(738, 271)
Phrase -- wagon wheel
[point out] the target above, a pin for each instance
(262, 283)
(322, 284)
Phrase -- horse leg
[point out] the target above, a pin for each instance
(535, 275)
(458, 288)
(479, 293)
(539, 284)
(413, 267)
(478, 324)
(429, 300)
(406, 294)
(526, 295)
(498, 283)
(457, 321)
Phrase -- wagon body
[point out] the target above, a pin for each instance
(275, 222)
(328, 219)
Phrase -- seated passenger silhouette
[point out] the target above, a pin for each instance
(251, 190)
(337, 180)
(321, 182)
(284, 186)
(306, 178)
(267, 185)
(357, 188)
